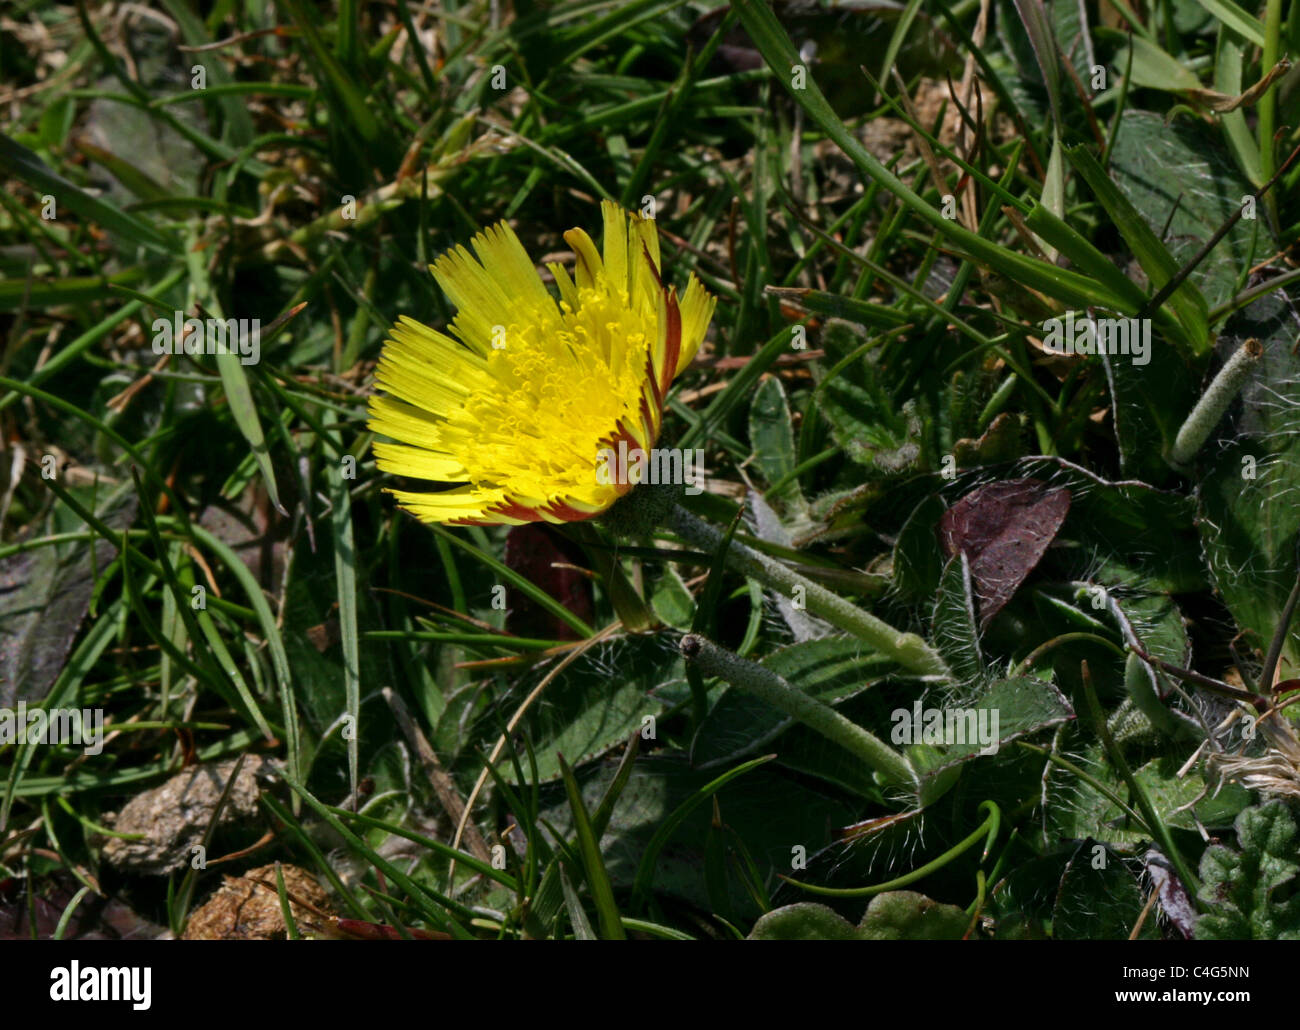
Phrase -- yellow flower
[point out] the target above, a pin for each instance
(517, 409)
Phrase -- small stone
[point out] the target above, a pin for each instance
(244, 909)
(173, 818)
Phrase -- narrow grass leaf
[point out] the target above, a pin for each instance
(345, 575)
(239, 396)
(1039, 29)
(573, 906)
(274, 640)
(646, 870)
(23, 164)
(1238, 20)
(602, 891)
(1160, 266)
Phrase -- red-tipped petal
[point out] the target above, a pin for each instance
(562, 511)
(672, 340)
(514, 510)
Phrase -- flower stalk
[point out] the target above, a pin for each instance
(908, 649)
(1214, 403)
(766, 685)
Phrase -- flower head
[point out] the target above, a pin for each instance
(516, 406)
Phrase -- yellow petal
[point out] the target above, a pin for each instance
(697, 312)
(615, 244)
(418, 463)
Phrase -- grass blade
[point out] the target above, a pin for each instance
(602, 891)
(21, 163)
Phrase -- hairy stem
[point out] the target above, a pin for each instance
(1214, 402)
(1137, 792)
(768, 686)
(908, 649)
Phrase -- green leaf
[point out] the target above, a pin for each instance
(586, 711)
(1144, 528)
(632, 610)
(311, 605)
(1157, 165)
(645, 873)
(768, 810)
(22, 164)
(1249, 521)
(672, 600)
(772, 437)
(851, 309)
(434, 906)
(1236, 19)
(805, 921)
(1230, 58)
(1148, 405)
(338, 78)
(1077, 810)
(239, 396)
(1143, 607)
(738, 387)
(602, 892)
(1099, 899)
(135, 180)
(345, 578)
(954, 633)
(1053, 198)
(1251, 893)
(274, 639)
(1126, 295)
(79, 290)
(582, 930)
(909, 916)
(891, 916)
(1152, 255)
(1009, 709)
(861, 413)
(1152, 67)
(1039, 30)
(918, 560)
(233, 108)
